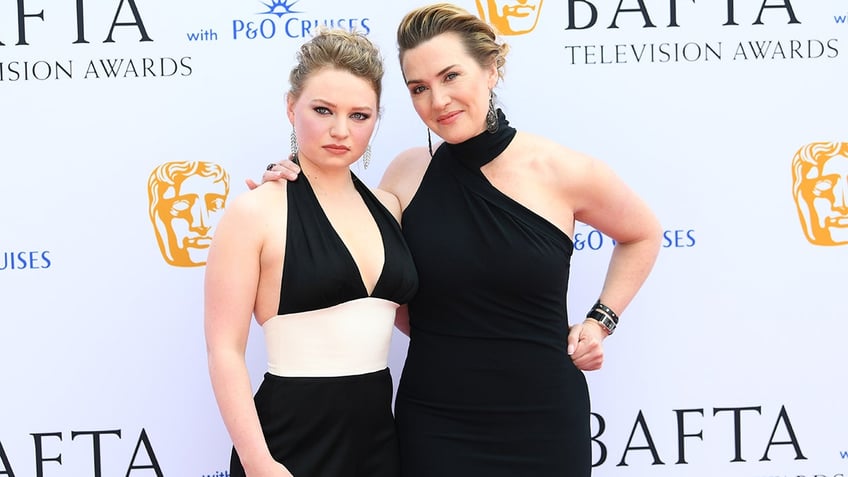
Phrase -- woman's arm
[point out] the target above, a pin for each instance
(610, 206)
(402, 319)
(231, 281)
(603, 201)
(404, 174)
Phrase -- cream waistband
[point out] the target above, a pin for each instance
(346, 339)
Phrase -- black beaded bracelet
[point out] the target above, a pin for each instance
(607, 310)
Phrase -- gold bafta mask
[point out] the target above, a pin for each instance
(820, 190)
(186, 200)
(510, 17)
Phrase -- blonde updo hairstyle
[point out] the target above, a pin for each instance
(342, 50)
(478, 37)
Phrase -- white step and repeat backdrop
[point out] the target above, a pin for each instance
(125, 126)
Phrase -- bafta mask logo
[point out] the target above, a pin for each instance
(820, 189)
(510, 17)
(186, 200)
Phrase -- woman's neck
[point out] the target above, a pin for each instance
(327, 181)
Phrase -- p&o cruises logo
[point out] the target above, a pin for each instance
(590, 239)
(25, 260)
(288, 19)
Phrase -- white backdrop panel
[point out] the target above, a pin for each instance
(730, 362)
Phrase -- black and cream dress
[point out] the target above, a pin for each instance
(325, 402)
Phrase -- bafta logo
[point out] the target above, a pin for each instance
(820, 190)
(186, 200)
(510, 17)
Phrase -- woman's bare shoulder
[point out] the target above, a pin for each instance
(253, 209)
(389, 201)
(403, 175)
(408, 161)
(551, 159)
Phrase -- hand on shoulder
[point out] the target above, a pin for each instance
(284, 169)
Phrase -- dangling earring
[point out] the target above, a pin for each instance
(430, 143)
(366, 158)
(491, 115)
(294, 146)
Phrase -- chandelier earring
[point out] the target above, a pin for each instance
(366, 158)
(491, 115)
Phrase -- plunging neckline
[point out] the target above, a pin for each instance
(357, 184)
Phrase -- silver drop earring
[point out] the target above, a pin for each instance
(491, 115)
(293, 143)
(366, 158)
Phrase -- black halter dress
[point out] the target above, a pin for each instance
(487, 388)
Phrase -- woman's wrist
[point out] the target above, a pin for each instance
(604, 316)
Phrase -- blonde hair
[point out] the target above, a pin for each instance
(478, 37)
(338, 49)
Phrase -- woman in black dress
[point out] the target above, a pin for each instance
(321, 264)
(488, 388)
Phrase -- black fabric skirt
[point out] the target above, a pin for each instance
(464, 410)
(328, 426)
